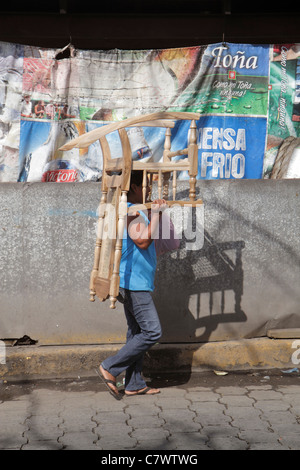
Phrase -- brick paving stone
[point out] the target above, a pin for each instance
(290, 441)
(263, 436)
(294, 408)
(292, 399)
(176, 403)
(146, 421)
(180, 424)
(78, 441)
(113, 442)
(267, 446)
(154, 444)
(215, 420)
(42, 432)
(236, 400)
(285, 430)
(150, 433)
(242, 412)
(204, 396)
(105, 402)
(269, 405)
(289, 389)
(210, 414)
(12, 429)
(197, 389)
(42, 445)
(73, 424)
(116, 431)
(265, 395)
(227, 443)
(111, 417)
(13, 441)
(244, 424)
(259, 387)
(189, 417)
(137, 409)
(224, 391)
(275, 417)
(172, 392)
(245, 418)
(191, 440)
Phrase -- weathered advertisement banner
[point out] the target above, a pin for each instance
(248, 97)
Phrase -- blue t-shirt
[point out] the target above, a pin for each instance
(137, 267)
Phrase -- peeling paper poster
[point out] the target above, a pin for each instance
(248, 97)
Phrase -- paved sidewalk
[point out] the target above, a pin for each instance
(239, 411)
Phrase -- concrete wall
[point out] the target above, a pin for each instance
(47, 238)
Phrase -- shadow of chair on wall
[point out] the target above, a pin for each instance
(188, 282)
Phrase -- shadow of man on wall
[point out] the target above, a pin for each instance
(184, 279)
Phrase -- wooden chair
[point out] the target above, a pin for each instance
(104, 281)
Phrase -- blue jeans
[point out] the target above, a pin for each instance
(144, 331)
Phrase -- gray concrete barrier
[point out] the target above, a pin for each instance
(241, 282)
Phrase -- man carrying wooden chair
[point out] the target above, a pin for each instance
(137, 271)
(127, 265)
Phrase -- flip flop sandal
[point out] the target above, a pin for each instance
(106, 382)
(142, 392)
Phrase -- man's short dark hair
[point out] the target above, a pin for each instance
(137, 177)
